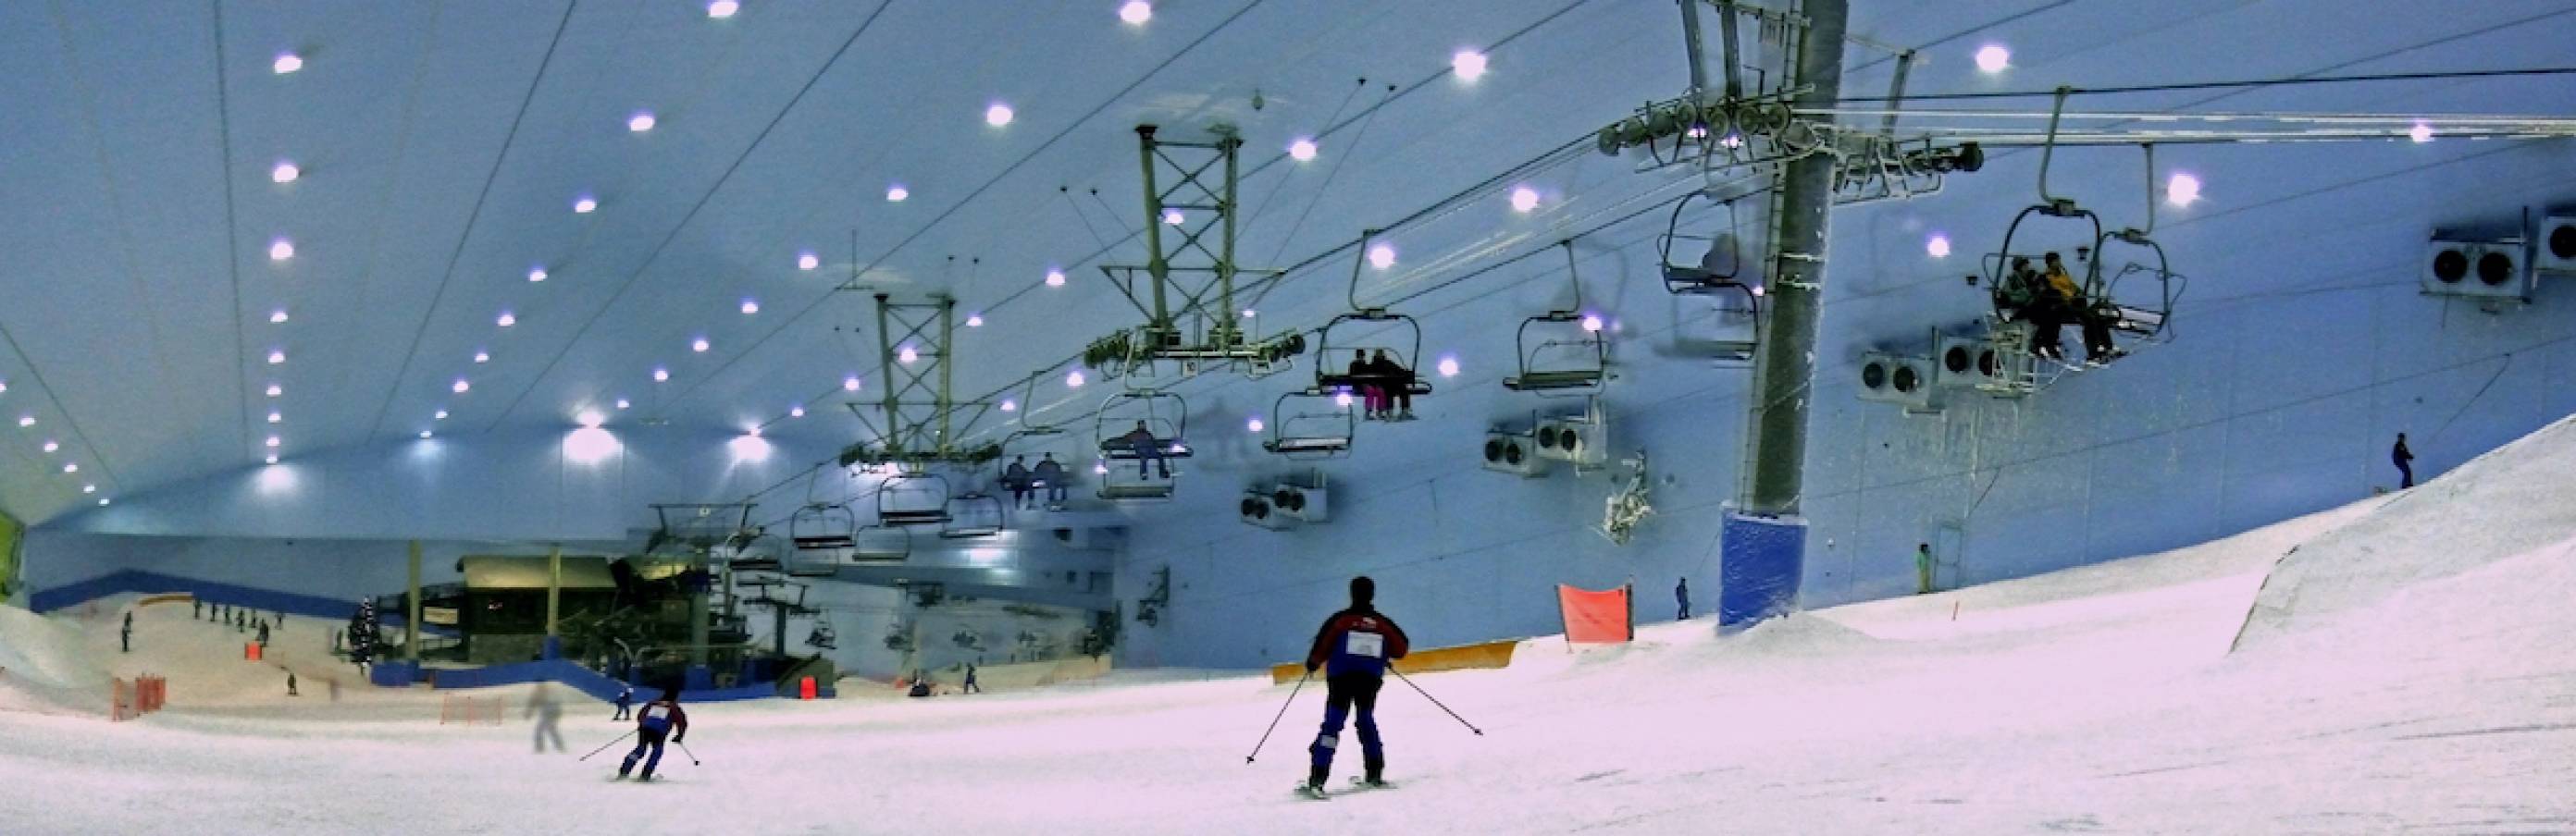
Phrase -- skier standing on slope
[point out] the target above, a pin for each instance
(625, 699)
(656, 719)
(1353, 648)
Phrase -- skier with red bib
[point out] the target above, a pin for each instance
(1353, 649)
(652, 722)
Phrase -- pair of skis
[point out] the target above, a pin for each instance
(1358, 783)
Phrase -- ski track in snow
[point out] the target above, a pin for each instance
(2403, 664)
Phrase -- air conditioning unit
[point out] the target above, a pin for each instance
(1897, 379)
(2492, 270)
(1514, 453)
(1257, 510)
(2555, 251)
(1305, 503)
(1581, 440)
(1966, 362)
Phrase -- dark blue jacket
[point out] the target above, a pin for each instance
(1359, 641)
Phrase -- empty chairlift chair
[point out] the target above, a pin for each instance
(880, 544)
(913, 497)
(1313, 424)
(973, 514)
(821, 537)
(1567, 355)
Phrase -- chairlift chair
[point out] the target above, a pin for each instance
(880, 544)
(1333, 374)
(1710, 274)
(1570, 357)
(973, 514)
(821, 526)
(823, 636)
(1319, 426)
(2139, 297)
(1164, 415)
(913, 497)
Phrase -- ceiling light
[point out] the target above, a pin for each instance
(272, 458)
(1524, 198)
(1249, 313)
(1099, 467)
(460, 386)
(1136, 12)
(276, 357)
(1468, 64)
(850, 384)
(1448, 367)
(998, 114)
(750, 307)
(698, 345)
(536, 274)
(807, 261)
(1301, 150)
(440, 415)
(273, 418)
(1174, 217)
(1938, 245)
(640, 122)
(584, 204)
(102, 502)
(272, 441)
(796, 411)
(425, 433)
(285, 172)
(276, 316)
(482, 356)
(590, 418)
(70, 467)
(974, 320)
(506, 319)
(2420, 133)
(1073, 378)
(52, 445)
(1009, 405)
(287, 62)
(1253, 425)
(1993, 58)
(661, 375)
(274, 390)
(4, 386)
(1342, 398)
(1381, 256)
(92, 488)
(748, 447)
(1592, 323)
(26, 420)
(2182, 189)
(1055, 278)
(896, 193)
(906, 355)
(281, 250)
(622, 403)
(721, 9)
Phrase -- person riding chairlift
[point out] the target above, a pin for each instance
(1395, 387)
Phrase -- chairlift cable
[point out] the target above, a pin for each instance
(2285, 81)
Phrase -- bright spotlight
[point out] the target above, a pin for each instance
(1253, 425)
(1073, 379)
(1136, 12)
(1524, 199)
(1381, 256)
(589, 445)
(1468, 64)
(998, 114)
(1993, 58)
(1938, 245)
(1301, 150)
(590, 418)
(749, 447)
(1448, 367)
(2182, 189)
(1055, 278)
(1592, 323)
(1173, 217)
(2420, 133)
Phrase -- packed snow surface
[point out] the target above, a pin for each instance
(2405, 664)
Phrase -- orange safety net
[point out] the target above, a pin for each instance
(1596, 616)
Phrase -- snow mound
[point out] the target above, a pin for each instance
(45, 666)
(2504, 505)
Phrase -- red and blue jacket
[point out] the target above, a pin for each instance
(1357, 641)
(661, 717)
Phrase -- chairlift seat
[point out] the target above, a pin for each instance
(1114, 448)
(823, 541)
(1548, 381)
(2142, 322)
(803, 569)
(913, 516)
(1415, 386)
(1136, 491)
(763, 563)
(1308, 445)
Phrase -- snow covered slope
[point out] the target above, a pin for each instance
(2409, 670)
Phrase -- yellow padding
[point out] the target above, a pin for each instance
(1494, 654)
(164, 598)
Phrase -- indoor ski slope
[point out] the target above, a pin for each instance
(2409, 666)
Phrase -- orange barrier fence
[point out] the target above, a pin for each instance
(1493, 654)
(470, 711)
(1597, 616)
(128, 699)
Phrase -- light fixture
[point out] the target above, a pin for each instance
(1055, 278)
(1592, 323)
(272, 458)
(281, 250)
(796, 411)
(850, 384)
(1099, 467)
(102, 502)
(274, 417)
(749, 447)
(589, 418)
(906, 355)
(1448, 367)
(896, 193)
(273, 441)
(1301, 150)
(1993, 58)
(997, 115)
(807, 261)
(640, 122)
(275, 357)
(287, 62)
(1381, 256)
(661, 375)
(1253, 425)
(440, 415)
(71, 467)
(1524, 198)
(2422, 132)
(698, 345)
(1249, 313)
(1342, 398)
(750, 306)
(1938, 245)
(1009, 405)
(4, 386)
(274, 390)
(425, 434)
(2182, 189)
(1136, 12)
(536, 274)
(482, 357)
(52, 445)
(94, 488)
(622, 403)
(460, 386)
(26, 420)
(1468, 64)
(275, 316)
(285, 172)
(721, 9)
(974, 320)
(584, 204)
(1173, 217)
(1072, 379)
(506, 319)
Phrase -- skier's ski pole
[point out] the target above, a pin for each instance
(604, 747)
(1274, 721)
(684, 749)
(1435, 701)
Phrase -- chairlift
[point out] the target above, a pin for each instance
(823, 636)
(913, 497)
(1318, 426)
(1570, 355)
(1718, 267)
(973, 514)
(1402, 344)
(1163, 416)
(880, 544)
(2138, 298)
(821, 526)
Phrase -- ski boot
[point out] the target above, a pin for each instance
(1314, 786)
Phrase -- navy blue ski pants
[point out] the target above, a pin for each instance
(1341, 694)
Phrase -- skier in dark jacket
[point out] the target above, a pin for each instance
(652, 722)
(1353, 648)
(625, 699)
(2405, 460)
